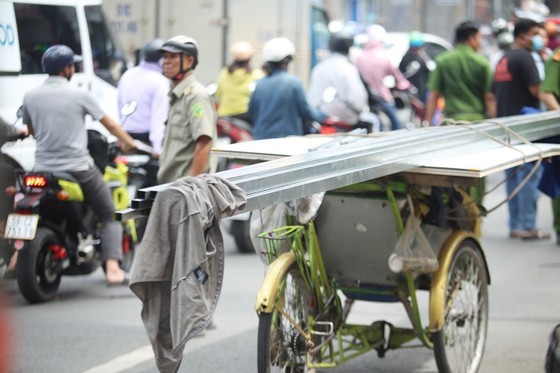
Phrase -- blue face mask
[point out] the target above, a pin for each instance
(538, 43)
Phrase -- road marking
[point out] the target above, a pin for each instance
(143, 354)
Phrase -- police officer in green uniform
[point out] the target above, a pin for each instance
(191, 125)
(463, 78)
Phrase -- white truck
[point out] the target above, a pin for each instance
(217, 24)
(27, 29)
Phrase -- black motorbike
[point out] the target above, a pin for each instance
(55, 232)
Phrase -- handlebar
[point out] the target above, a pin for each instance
(143, 148)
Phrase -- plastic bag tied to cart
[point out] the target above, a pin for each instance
(413, 252)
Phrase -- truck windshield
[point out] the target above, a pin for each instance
(39, 27)
(109, 62)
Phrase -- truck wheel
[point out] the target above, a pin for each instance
(241, 231)
(38, 273)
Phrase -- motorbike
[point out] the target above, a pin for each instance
(55, 232)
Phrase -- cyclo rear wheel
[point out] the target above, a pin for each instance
(459, 346)
(281, 346)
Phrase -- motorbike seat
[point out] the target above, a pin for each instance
(65, 176)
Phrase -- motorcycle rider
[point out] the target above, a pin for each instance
(374, 66)
(55, 115)
(145, 85)
(278, 105)
(236, 82)
(416, 65)
(338, 72)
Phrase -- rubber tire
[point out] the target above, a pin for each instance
(265, 329)
(241, 232)
(472, 250)
(552, 363)
(32, 283)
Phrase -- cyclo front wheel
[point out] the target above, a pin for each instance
(281, 345)
(459, 346)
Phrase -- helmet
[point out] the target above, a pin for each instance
(504, 40)
(241, 51)
(341, 42)
(376, 33)
(498, 26)
(416, 39)
(181, 44)
(275, 50)
(57, 57)
(150, 50)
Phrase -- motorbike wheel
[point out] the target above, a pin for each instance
(37, 277)
(240, 229)
(459, 346)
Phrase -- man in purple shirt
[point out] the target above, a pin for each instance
(146, 85)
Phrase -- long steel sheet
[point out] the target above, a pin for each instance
(284, 179)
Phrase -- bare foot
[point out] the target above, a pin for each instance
(113, 272)
(13, 262)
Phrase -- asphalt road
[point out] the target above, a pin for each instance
(92, 328)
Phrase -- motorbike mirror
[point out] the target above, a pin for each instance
(212, 88)
(129, 108)
(412, 68)
(431, 65)
(389, 81)
(329, 94)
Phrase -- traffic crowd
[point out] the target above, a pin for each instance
(177, 116)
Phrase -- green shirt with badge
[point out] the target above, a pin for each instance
(463, 77)
(191, 115)
(551, 82)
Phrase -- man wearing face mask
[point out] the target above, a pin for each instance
(517, 85)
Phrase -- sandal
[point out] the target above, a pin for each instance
(530, 234)
(537, 234)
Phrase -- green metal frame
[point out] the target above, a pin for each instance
(348, 341)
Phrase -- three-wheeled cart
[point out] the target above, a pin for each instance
(380, 240)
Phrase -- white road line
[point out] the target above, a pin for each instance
(145, 353)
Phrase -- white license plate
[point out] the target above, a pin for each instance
(21, 227)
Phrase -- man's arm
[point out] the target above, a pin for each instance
(431, 106)
(115, 128)
(549, 100)
(201, 155)
(490, 104)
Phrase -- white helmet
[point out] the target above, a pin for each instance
(275, 50)
(241, 51)
(376, 33)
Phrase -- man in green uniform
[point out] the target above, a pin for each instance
(191, 126)
(550, 96)
(463, 78)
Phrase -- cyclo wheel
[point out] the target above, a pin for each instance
(37, 269)
(459, 346)
(281, 346)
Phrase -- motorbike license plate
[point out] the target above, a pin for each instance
(21, 227)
